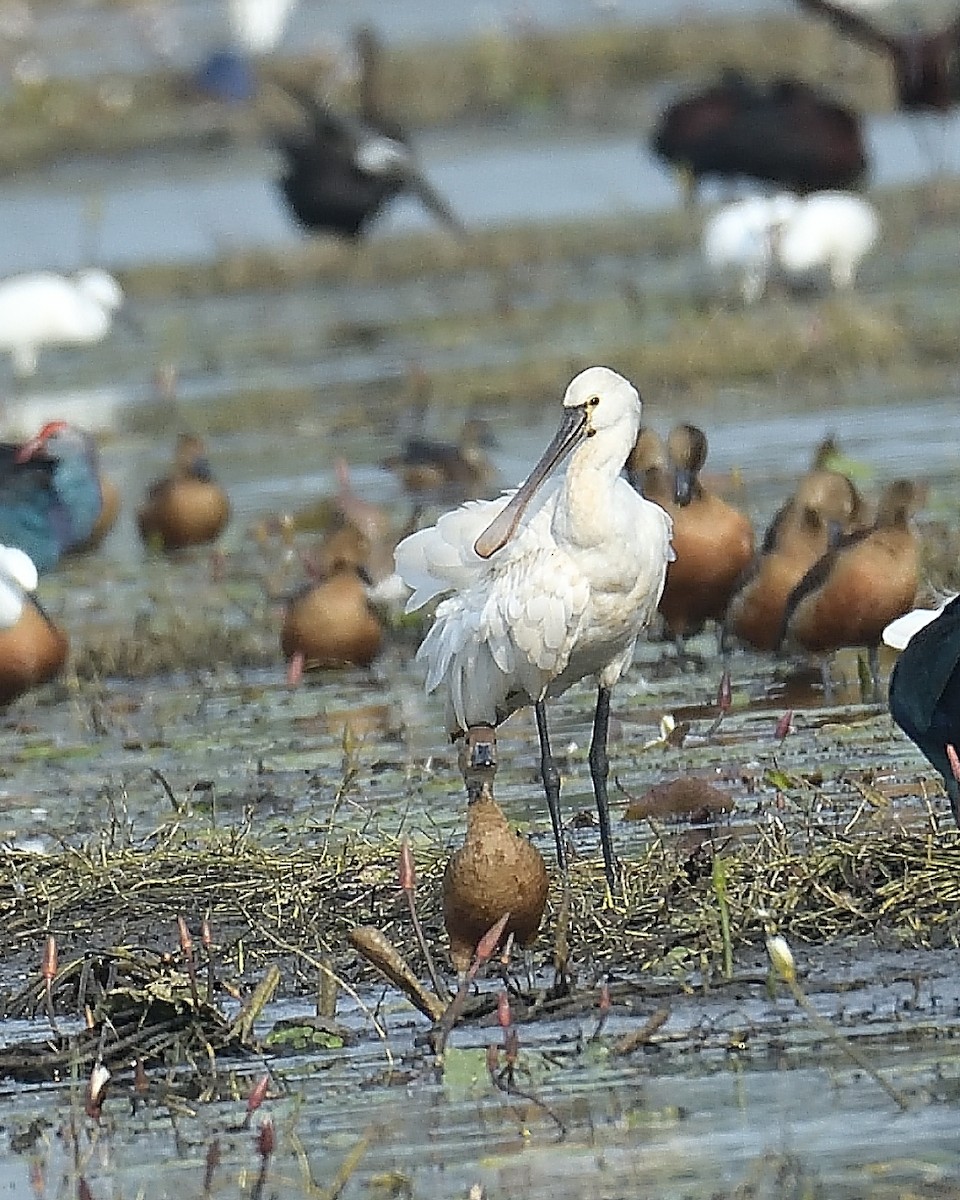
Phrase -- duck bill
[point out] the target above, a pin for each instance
(683, 486)
(572, 429)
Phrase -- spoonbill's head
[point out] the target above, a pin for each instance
(101, 289)
(597, 402)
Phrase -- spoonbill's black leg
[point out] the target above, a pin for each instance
(599, 770)
(551, 782)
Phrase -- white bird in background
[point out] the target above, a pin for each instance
(258, 25)
(549, 584)
(44, 309)
(752, 240)
(828, 231)
(738, 241)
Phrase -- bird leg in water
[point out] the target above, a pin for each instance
(551, 782)
(478, 759)
(599, 770)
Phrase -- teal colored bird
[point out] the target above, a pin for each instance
(50, 495)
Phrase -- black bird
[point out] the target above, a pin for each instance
(924, 693)
(926, 64)
(343, 169)
(785, 132)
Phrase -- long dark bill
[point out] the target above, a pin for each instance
(573, 427)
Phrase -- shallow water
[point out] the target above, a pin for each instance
(738, 1090)
(185, 208)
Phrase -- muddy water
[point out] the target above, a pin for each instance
(739, 1090)
(180, 209)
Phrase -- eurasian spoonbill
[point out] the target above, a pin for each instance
(830, 231)
(343, 169)
(739, 241)
(924, 691)
(50, 493)
(548, 585)
(45, 309)
(785, 133)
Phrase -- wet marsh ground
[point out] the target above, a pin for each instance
(172, 772)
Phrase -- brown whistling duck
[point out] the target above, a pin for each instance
(495, 871)
(860, 585)
(188, 507)
(824, 506)
(330, 624)
(32, 649)
(463, 468)
(712, 540)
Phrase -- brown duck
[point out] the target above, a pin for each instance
(187, 507)
(495, 871)
(330, 624)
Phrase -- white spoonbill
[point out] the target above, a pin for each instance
(45, 309)
(828, 231)
(548, 584)
(739, 241)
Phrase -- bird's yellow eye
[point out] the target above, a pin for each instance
(594, 401)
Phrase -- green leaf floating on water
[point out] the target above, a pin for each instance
(308, 1033)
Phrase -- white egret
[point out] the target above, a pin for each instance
(548, 585)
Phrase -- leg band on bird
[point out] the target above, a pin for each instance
(478, 759)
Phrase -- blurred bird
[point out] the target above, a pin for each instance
(343, 169)
(187, 507)
(495, 871)
(451, 471)
(739, 241)
(255, 27)
(829, 231)
(860, 585)
(329, 623)
(924, 692)
(50, 493)
(786, 133)
(712, 540)
(32, 649)
(926, 65)
(44, 309)
(548, 585)
(824, 506)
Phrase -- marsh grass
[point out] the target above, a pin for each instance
(296, 905)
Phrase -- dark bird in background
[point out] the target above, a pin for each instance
(784, 133)
(460, 470)
(926, 65)
(50, 493)
(924, 691)
(343, 169)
